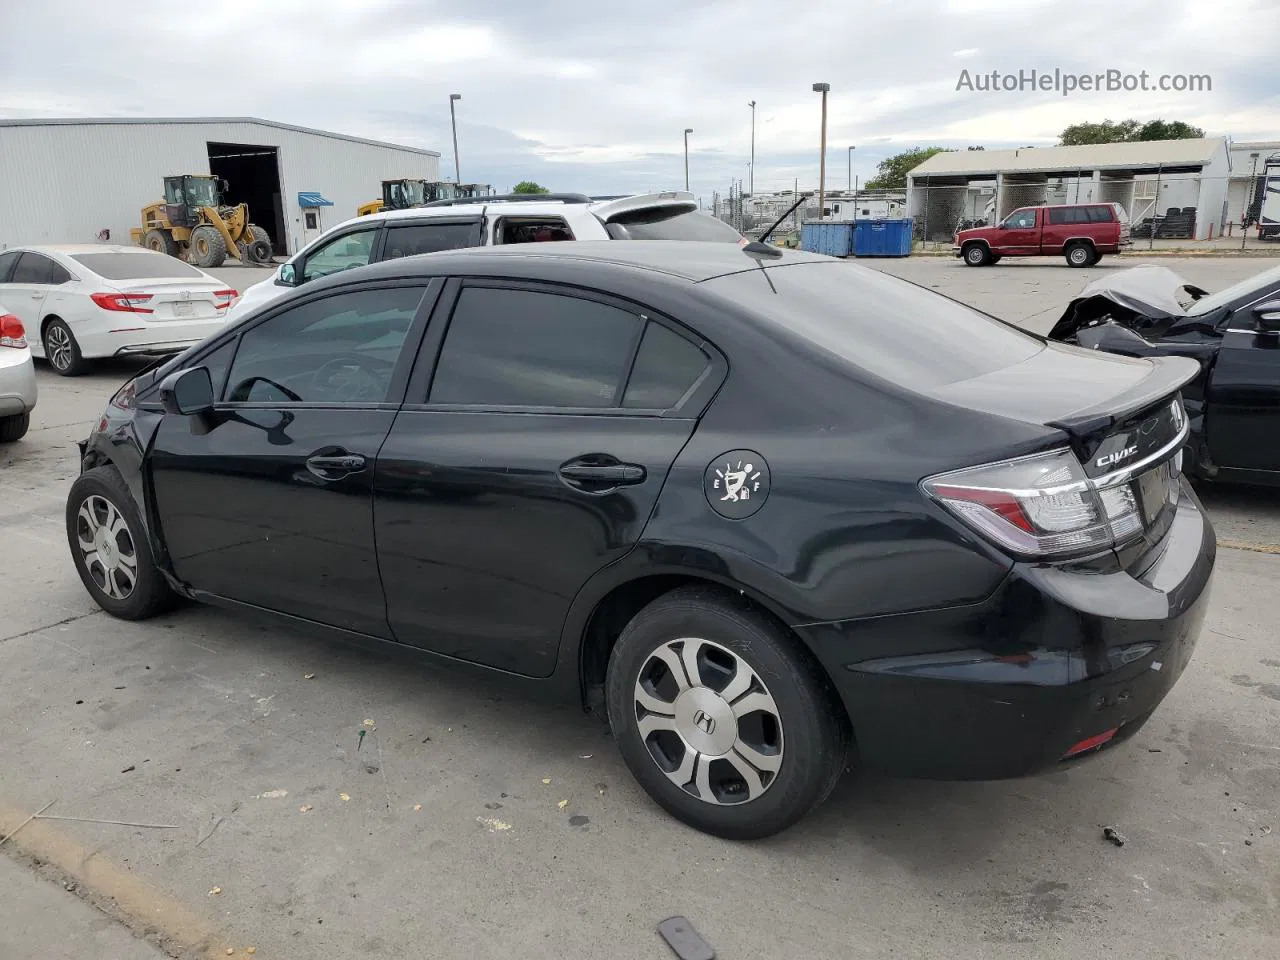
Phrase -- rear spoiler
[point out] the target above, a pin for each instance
(677, 201)
(1168, 375)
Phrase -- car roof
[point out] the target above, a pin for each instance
(691, 260)
(70, 249)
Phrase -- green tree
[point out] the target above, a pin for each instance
(1127, 131)
(891, 173)
(528, 186)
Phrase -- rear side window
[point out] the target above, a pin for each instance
(531, 230)
(1100, 214)
(7, 260)
(418, 238)
(33, 268)
(666, 368)
(667, 225)
(136, 266)
(529, 348)
(892, 329)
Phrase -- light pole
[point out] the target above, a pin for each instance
(453, 119)
(752, 105)
(850, 170)
(687, 131)
(824, 89)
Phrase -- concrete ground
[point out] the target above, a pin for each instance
(470, 822)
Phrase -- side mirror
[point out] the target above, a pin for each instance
(1267, 316)
(287, 276)
(187, 392)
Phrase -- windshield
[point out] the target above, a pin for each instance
(201, 192)
(136, 266)
(1237, 291)
(888, 327)
(666, 224)
(444, 191)
(414, 192)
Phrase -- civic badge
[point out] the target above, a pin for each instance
(737, 484)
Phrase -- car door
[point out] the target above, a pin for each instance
(409, 238)
(345, 251)
(533, 460)
(1019, 235)
(270, 502)
(1243, 399)
(25, 293)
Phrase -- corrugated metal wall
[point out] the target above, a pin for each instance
(62, 183)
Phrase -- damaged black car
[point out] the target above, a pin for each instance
(1234, 334)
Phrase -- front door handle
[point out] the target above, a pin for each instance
(602, 472)
(336, 466)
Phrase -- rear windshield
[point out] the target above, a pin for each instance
(888, 327)
(136, 266)
(666, 225)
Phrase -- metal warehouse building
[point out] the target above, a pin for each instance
(1176, 187)
(66, 181)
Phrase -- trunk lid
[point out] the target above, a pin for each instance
(178, 298)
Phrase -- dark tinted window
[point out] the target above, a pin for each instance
(218, 362)
(1058, 215)
(32, 268)
(1100, 214)
(340, 349)
(527, 348)
(666, 367)
(132, 265)
(893, 329)
(665, 225)
(7, 260)
(429, 238)
(58, 273)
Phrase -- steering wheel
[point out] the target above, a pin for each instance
(352, 379)
(244, 388)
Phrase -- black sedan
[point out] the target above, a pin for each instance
(772, 511)
(1234, 334)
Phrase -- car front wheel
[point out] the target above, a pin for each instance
(977, 255)
(726, 723)
(1080, 255)
(110, 549)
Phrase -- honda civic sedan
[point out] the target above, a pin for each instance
(772, 513)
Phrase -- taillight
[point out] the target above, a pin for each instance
(12, 332)
(124, 397)
(227, 298)
(1041, 506)
(122, 302)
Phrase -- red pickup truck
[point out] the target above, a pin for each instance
(1081, 232)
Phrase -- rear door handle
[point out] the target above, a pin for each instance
(597, 474)
(336, 466)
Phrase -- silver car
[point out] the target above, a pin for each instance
(17, 378)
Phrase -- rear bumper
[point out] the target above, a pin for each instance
(167, 336)
(1008, 687)
(17, 383)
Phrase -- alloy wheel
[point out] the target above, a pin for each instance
(106, 547)
(57, 346)
(708, 721)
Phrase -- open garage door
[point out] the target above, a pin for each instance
(253, 175)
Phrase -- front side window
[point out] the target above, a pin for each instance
(340, 253)
(339, 349)
(527, 348)
(1021, 220)
(419, 238)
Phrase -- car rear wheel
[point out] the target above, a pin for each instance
(110, 548)
(1079, 255)
(14, 427)
(62, 351)
(977, 255)
(722, 719)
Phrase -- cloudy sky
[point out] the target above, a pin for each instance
(594, 96)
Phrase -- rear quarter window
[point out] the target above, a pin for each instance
(889, 327)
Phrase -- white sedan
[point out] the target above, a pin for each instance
(17, 379)
(84, 301)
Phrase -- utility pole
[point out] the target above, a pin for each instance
(687, 131)
(849, 172)
(752, 105)
(824, 89)
(453, 119)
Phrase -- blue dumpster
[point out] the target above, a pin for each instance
(882, 238)
(827, 237)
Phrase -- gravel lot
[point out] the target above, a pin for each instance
(443, 835)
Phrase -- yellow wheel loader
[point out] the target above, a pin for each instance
(192, 223)
(403, 194)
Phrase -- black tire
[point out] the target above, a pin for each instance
(995, 258)
(1079, 255)
(208, 249)
(811, 732)
(93, 490)
(260, 245)
(1097, 259)
(976, 254)
(14, 427)
(161, 241)
(61, 349)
